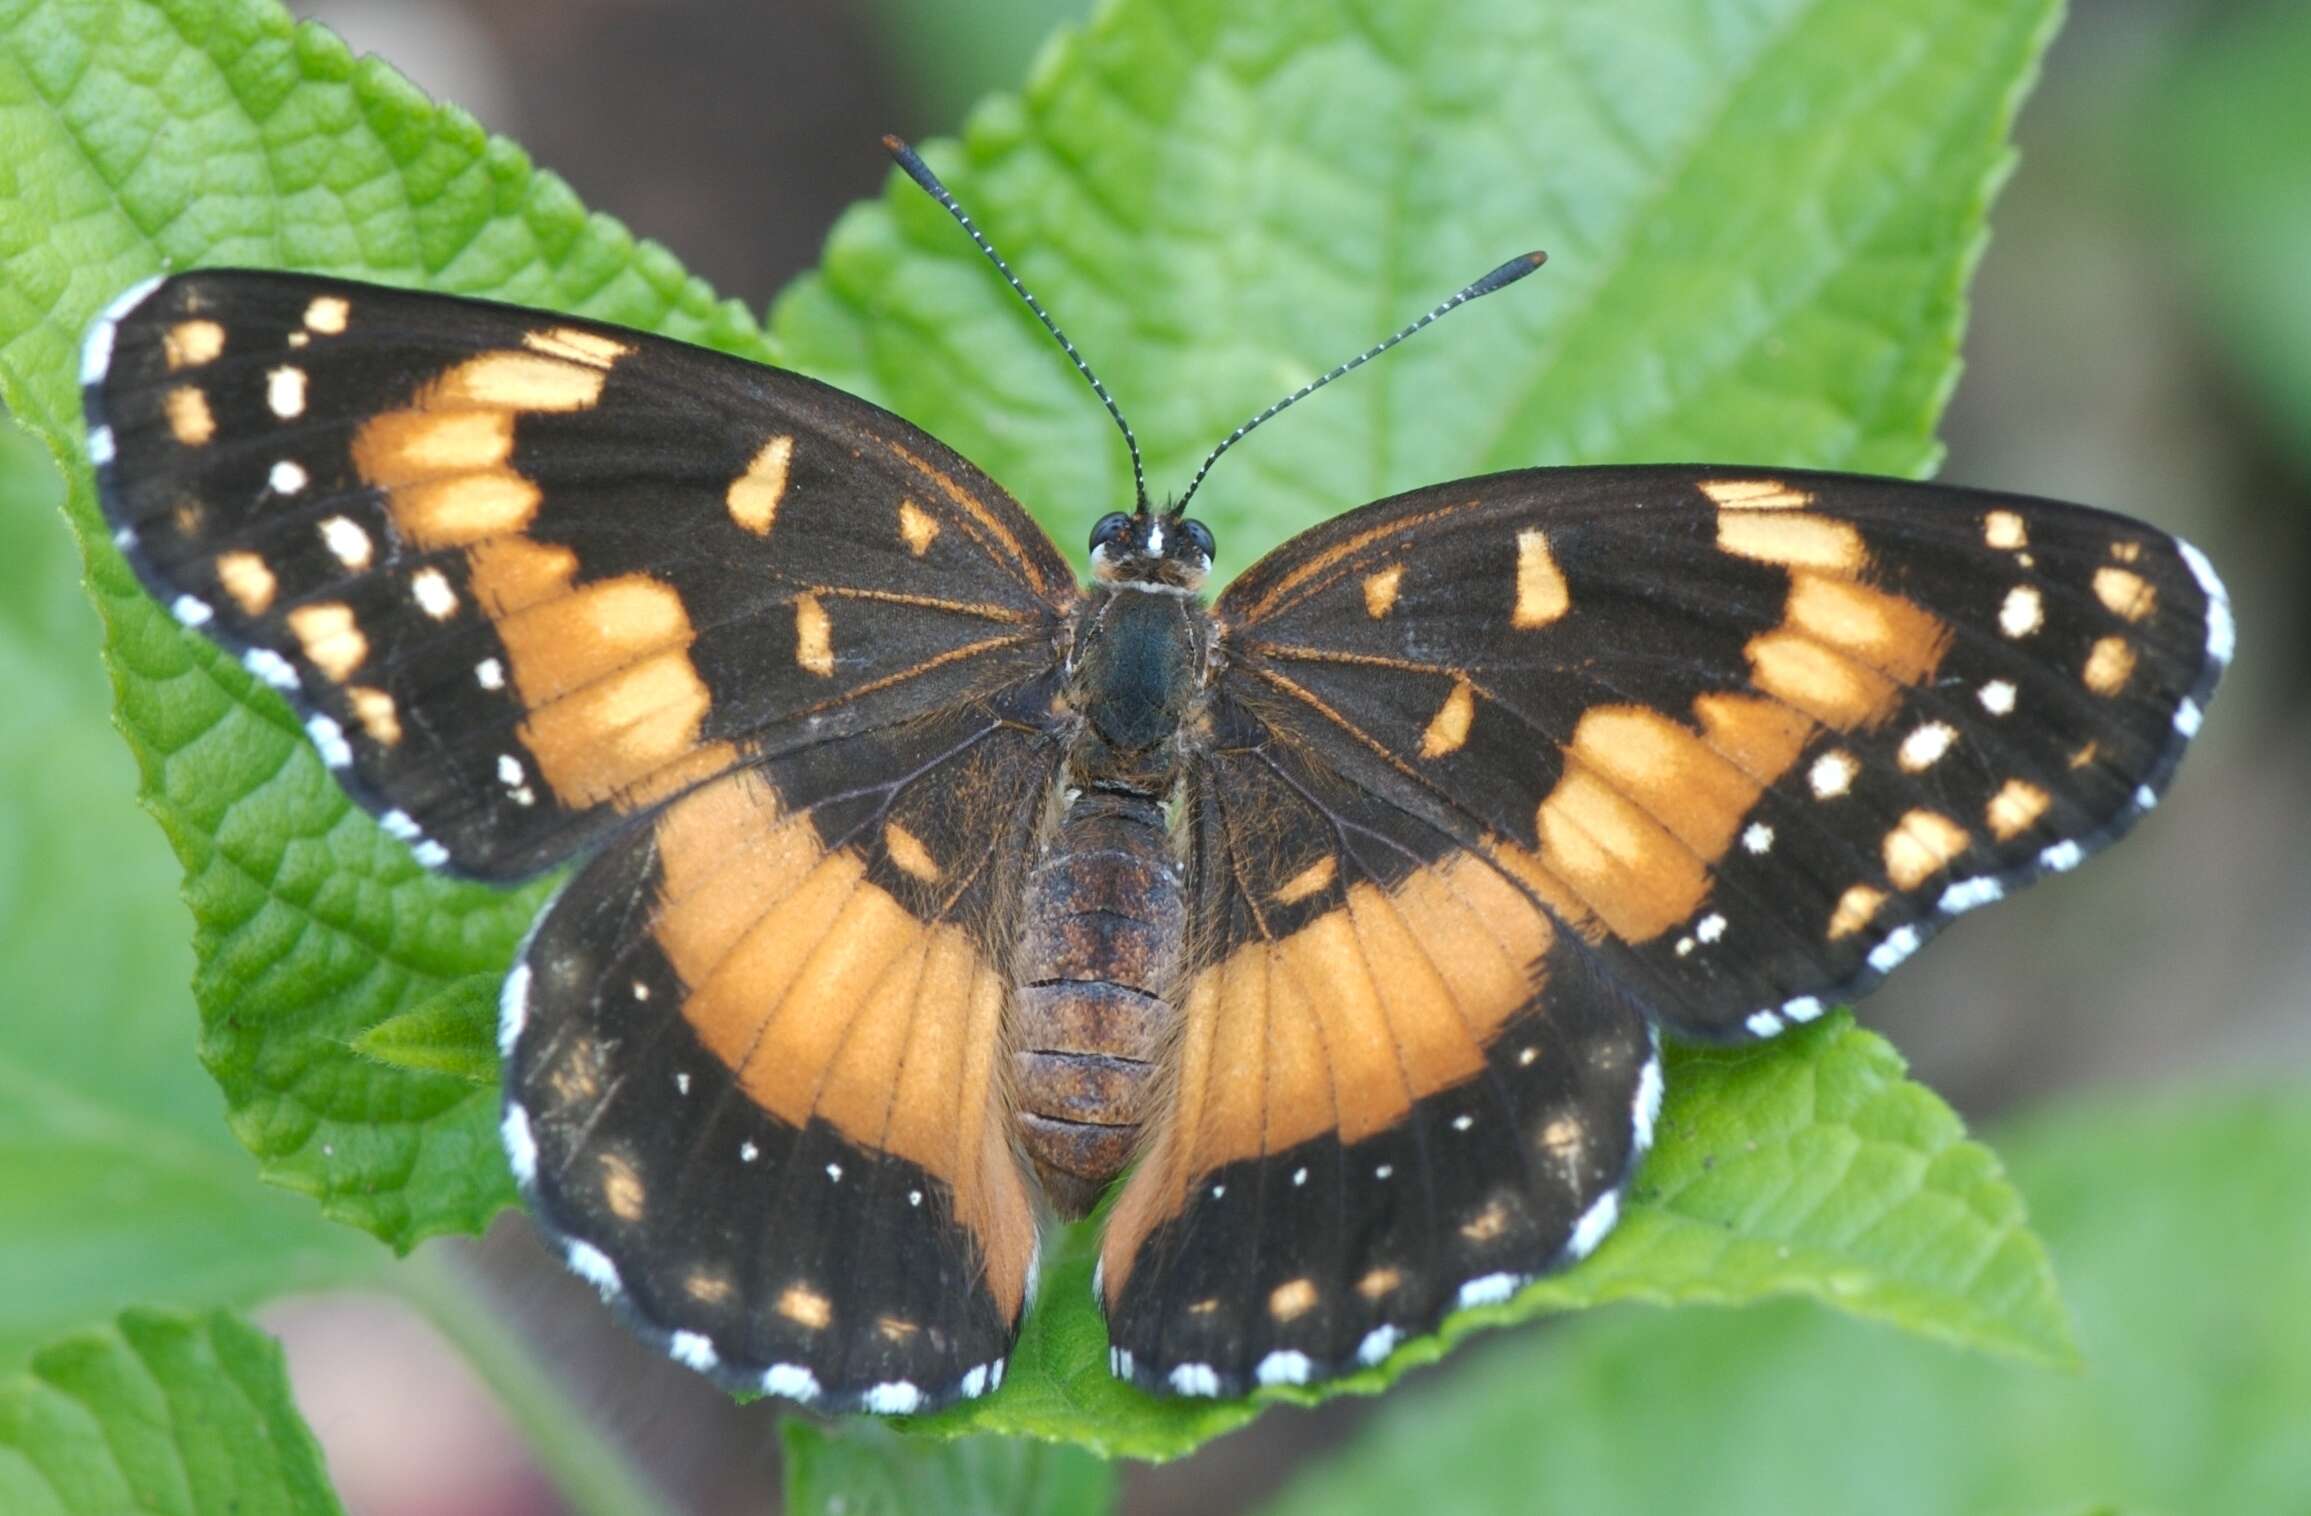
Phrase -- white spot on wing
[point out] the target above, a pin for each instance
(1757, 837)
(2022, 612)
(430, 854)
(430, 588)
(1803, 1009)
(521, 1145)
(893, 1398)
(1997, 697)
(835, 1172)
(975, 1382)
(792, 1381)
(1710, 928)
(513, 1009)
(2222, 631)
(329, 737)
(1832, 774)
(2145, 797)
(1284, 1367)
(1925, 745)
(100, 445)
(593, 1265)
(1648, 1104)
(191, 610)
(490, 674)
(1899, 944)
(345, 539)
(1763, 1023)
(287, 477)
(285, 391)
(398, 824)
(748, 1152)
(1968, 894)
(1378, 1344)
(1195, 1379)
(2187, 717)
(2062, 857)
(1594, 1224)
(693, 1349)
(1488, 1289)
(96, 352)
(270, 667)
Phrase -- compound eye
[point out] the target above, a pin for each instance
(1199, 536)
(1112, 530)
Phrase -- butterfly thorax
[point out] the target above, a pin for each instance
(1104, 915)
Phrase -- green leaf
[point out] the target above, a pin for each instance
(1762, 212)
(122, 1186)
(453, 1031)
(172, 1415)
(2180, 1229)
(1816, 1171)
(864, 1469)
(137, 136)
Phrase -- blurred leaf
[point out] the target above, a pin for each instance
(2183, 1241)
(864, 1469)
(1763, 216)
(2226, 139)
(122, 1184)
(188, 1416)
(952, 54)
(1814, 1170)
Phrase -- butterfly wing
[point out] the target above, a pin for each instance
(524, 575)
(539, 586)
(1714, 746)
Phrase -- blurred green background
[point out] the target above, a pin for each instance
(2141, 339)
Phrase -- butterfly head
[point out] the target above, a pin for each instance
(1152, 548)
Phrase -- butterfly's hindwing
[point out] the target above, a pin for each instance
(524, 574)
(1751, 737)
(753, 1065)
(1401, 1090)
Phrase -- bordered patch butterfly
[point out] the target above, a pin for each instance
(914, 881)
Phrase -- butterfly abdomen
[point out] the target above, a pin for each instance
(1102, 929)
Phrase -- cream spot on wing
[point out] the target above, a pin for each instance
(2015, 809)
(188, 415)
(1313, 879)
(1379, 1282)
(813, 636)
(2023, 612)
(753, 496)
(906, 850)
(189, 344)
(285, 392)
(1920, 846)
(287, 477)
(916, 528)
(622, 1188)
(1754, 495)
(2004, 529)
(378, 715)
(331, 640)
(1487, 1224)
(1448, 728)
(1380, 590)
(576, 345)
(327, 314)
(805, 1307)
(1291, 1299)
(1855, 909)
(1925, 745)
(2126, 593)
(247, 579)
(2109, 665)
(1997, 697)
(1542, 595)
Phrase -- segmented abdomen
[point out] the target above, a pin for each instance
(1101, 937)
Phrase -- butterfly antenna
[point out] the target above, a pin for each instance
(920, 172)
(1500, 278)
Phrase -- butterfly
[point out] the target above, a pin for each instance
(919, 889)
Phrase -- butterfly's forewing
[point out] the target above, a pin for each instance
(538, 585)
(524, 574)
(1720, 745)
